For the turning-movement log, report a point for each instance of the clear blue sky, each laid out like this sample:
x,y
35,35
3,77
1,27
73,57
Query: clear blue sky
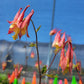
x,y
69,16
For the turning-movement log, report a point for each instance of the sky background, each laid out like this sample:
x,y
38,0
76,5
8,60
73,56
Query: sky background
x,y
69,17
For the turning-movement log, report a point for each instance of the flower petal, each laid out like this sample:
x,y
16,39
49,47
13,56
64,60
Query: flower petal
x,y
27,19
11,29
62,40
57,39
52,32
20,18
16,17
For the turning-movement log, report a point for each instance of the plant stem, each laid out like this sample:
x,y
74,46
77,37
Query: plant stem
x,y
52,60
79,76
37,52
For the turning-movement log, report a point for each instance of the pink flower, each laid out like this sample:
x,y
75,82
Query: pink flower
x,y
20,24
36,64
66,61
32,54
52,32
58,41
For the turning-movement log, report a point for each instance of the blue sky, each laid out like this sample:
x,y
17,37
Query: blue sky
x,y
69,16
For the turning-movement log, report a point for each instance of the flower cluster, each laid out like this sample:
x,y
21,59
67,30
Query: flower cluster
x,y
66,57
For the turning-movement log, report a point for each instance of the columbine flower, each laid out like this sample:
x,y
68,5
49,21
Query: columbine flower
x,y
52,32
32,54
20,24
63,59
58,41
36,64
66,61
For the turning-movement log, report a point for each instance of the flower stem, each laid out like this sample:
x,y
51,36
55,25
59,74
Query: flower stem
x,y
79,76
37,52
52,61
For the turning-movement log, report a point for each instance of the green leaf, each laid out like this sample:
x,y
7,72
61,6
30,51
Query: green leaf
x,y
32,45
38,28
44,68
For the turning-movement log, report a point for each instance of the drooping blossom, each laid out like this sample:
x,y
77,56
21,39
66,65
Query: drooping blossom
x,y
58,40
4,64
32,54
36,64
20,24
66,61
52,32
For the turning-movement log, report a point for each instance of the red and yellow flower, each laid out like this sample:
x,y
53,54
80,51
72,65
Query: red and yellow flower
x,y
36,64
32,54
20,24
66,61
58,40
52,32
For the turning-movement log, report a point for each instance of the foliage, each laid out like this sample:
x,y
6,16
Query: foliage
x,y
28,83
3,79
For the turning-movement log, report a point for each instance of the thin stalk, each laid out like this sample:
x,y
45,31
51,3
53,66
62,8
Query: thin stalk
x,y
52,61
37,52
25,58
79,76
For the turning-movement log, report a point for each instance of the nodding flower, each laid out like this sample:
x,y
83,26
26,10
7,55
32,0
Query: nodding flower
x,y
52,32
66,60
20,24
36,64
32,54
58,40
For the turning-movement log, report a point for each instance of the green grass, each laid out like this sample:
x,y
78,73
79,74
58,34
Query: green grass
x,y
3,79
